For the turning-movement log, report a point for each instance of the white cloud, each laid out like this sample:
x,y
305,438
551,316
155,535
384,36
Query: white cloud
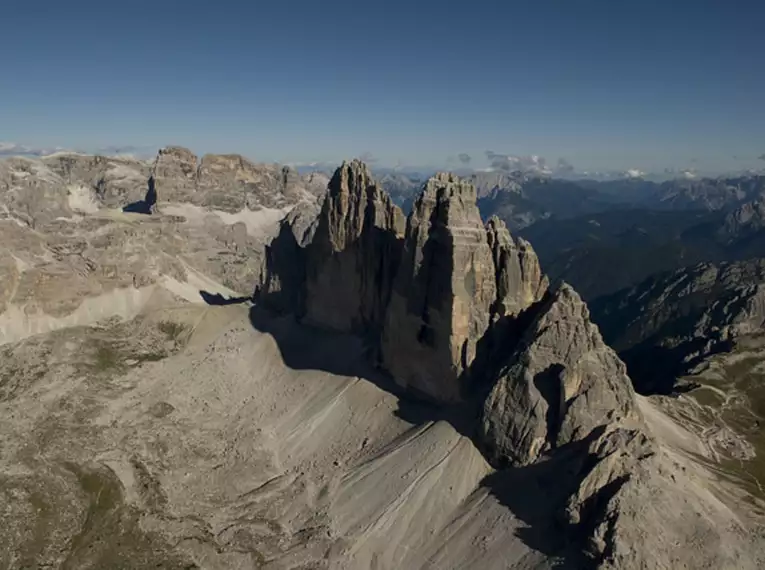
x,y
634,173
510,163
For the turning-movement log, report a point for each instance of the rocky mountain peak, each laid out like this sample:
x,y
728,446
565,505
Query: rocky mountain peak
x,y
337,271
430,292
176,157
519,277
443,293
744,221
560,384
445,189
351,261
354,200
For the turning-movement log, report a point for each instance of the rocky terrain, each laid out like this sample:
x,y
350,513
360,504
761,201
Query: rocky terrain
x,y
74,250
697,334
545,383
601,254
669,323
399,392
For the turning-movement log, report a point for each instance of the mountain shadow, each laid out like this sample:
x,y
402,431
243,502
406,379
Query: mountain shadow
x,y
530,493
146,205
216,299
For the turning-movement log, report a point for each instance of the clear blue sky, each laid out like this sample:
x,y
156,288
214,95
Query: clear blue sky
x,y
605,84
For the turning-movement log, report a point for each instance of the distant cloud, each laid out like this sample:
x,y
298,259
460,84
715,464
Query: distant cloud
x,y
464,158
688,173
368,157
510,163
634,173
761,157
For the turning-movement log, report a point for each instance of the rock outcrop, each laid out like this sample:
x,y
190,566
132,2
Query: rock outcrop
x,y
519,277
334,268
429,298
561,383
114,181
443,293
175,173
564,403
743,222
670,322
229,182
353,256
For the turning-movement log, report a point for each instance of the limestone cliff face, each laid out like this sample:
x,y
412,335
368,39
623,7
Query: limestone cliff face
x,y
443,293
559,384
229,182
355,250
519,277
175,174
431,293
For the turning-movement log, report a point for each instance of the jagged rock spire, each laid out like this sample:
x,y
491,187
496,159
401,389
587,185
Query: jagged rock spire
x,y
520,281
353,256
443,292
560,383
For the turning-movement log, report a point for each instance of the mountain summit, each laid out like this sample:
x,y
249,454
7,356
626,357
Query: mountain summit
x,y
471,321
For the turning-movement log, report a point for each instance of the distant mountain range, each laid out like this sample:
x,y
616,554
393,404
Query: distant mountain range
x,y
522,198
603,253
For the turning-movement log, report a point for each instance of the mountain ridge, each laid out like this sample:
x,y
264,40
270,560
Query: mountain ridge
x,y
554,387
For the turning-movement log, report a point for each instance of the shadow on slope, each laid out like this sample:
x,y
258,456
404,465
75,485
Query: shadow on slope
x,y
144,206
306,348
216,299
534,494
538,494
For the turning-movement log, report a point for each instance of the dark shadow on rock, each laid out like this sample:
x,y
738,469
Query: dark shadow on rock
x,y
537,494
500,343
307,348
283,286
146,205
655,369
549,383
219,300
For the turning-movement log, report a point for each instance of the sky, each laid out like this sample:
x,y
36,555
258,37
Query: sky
x,y
603,85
